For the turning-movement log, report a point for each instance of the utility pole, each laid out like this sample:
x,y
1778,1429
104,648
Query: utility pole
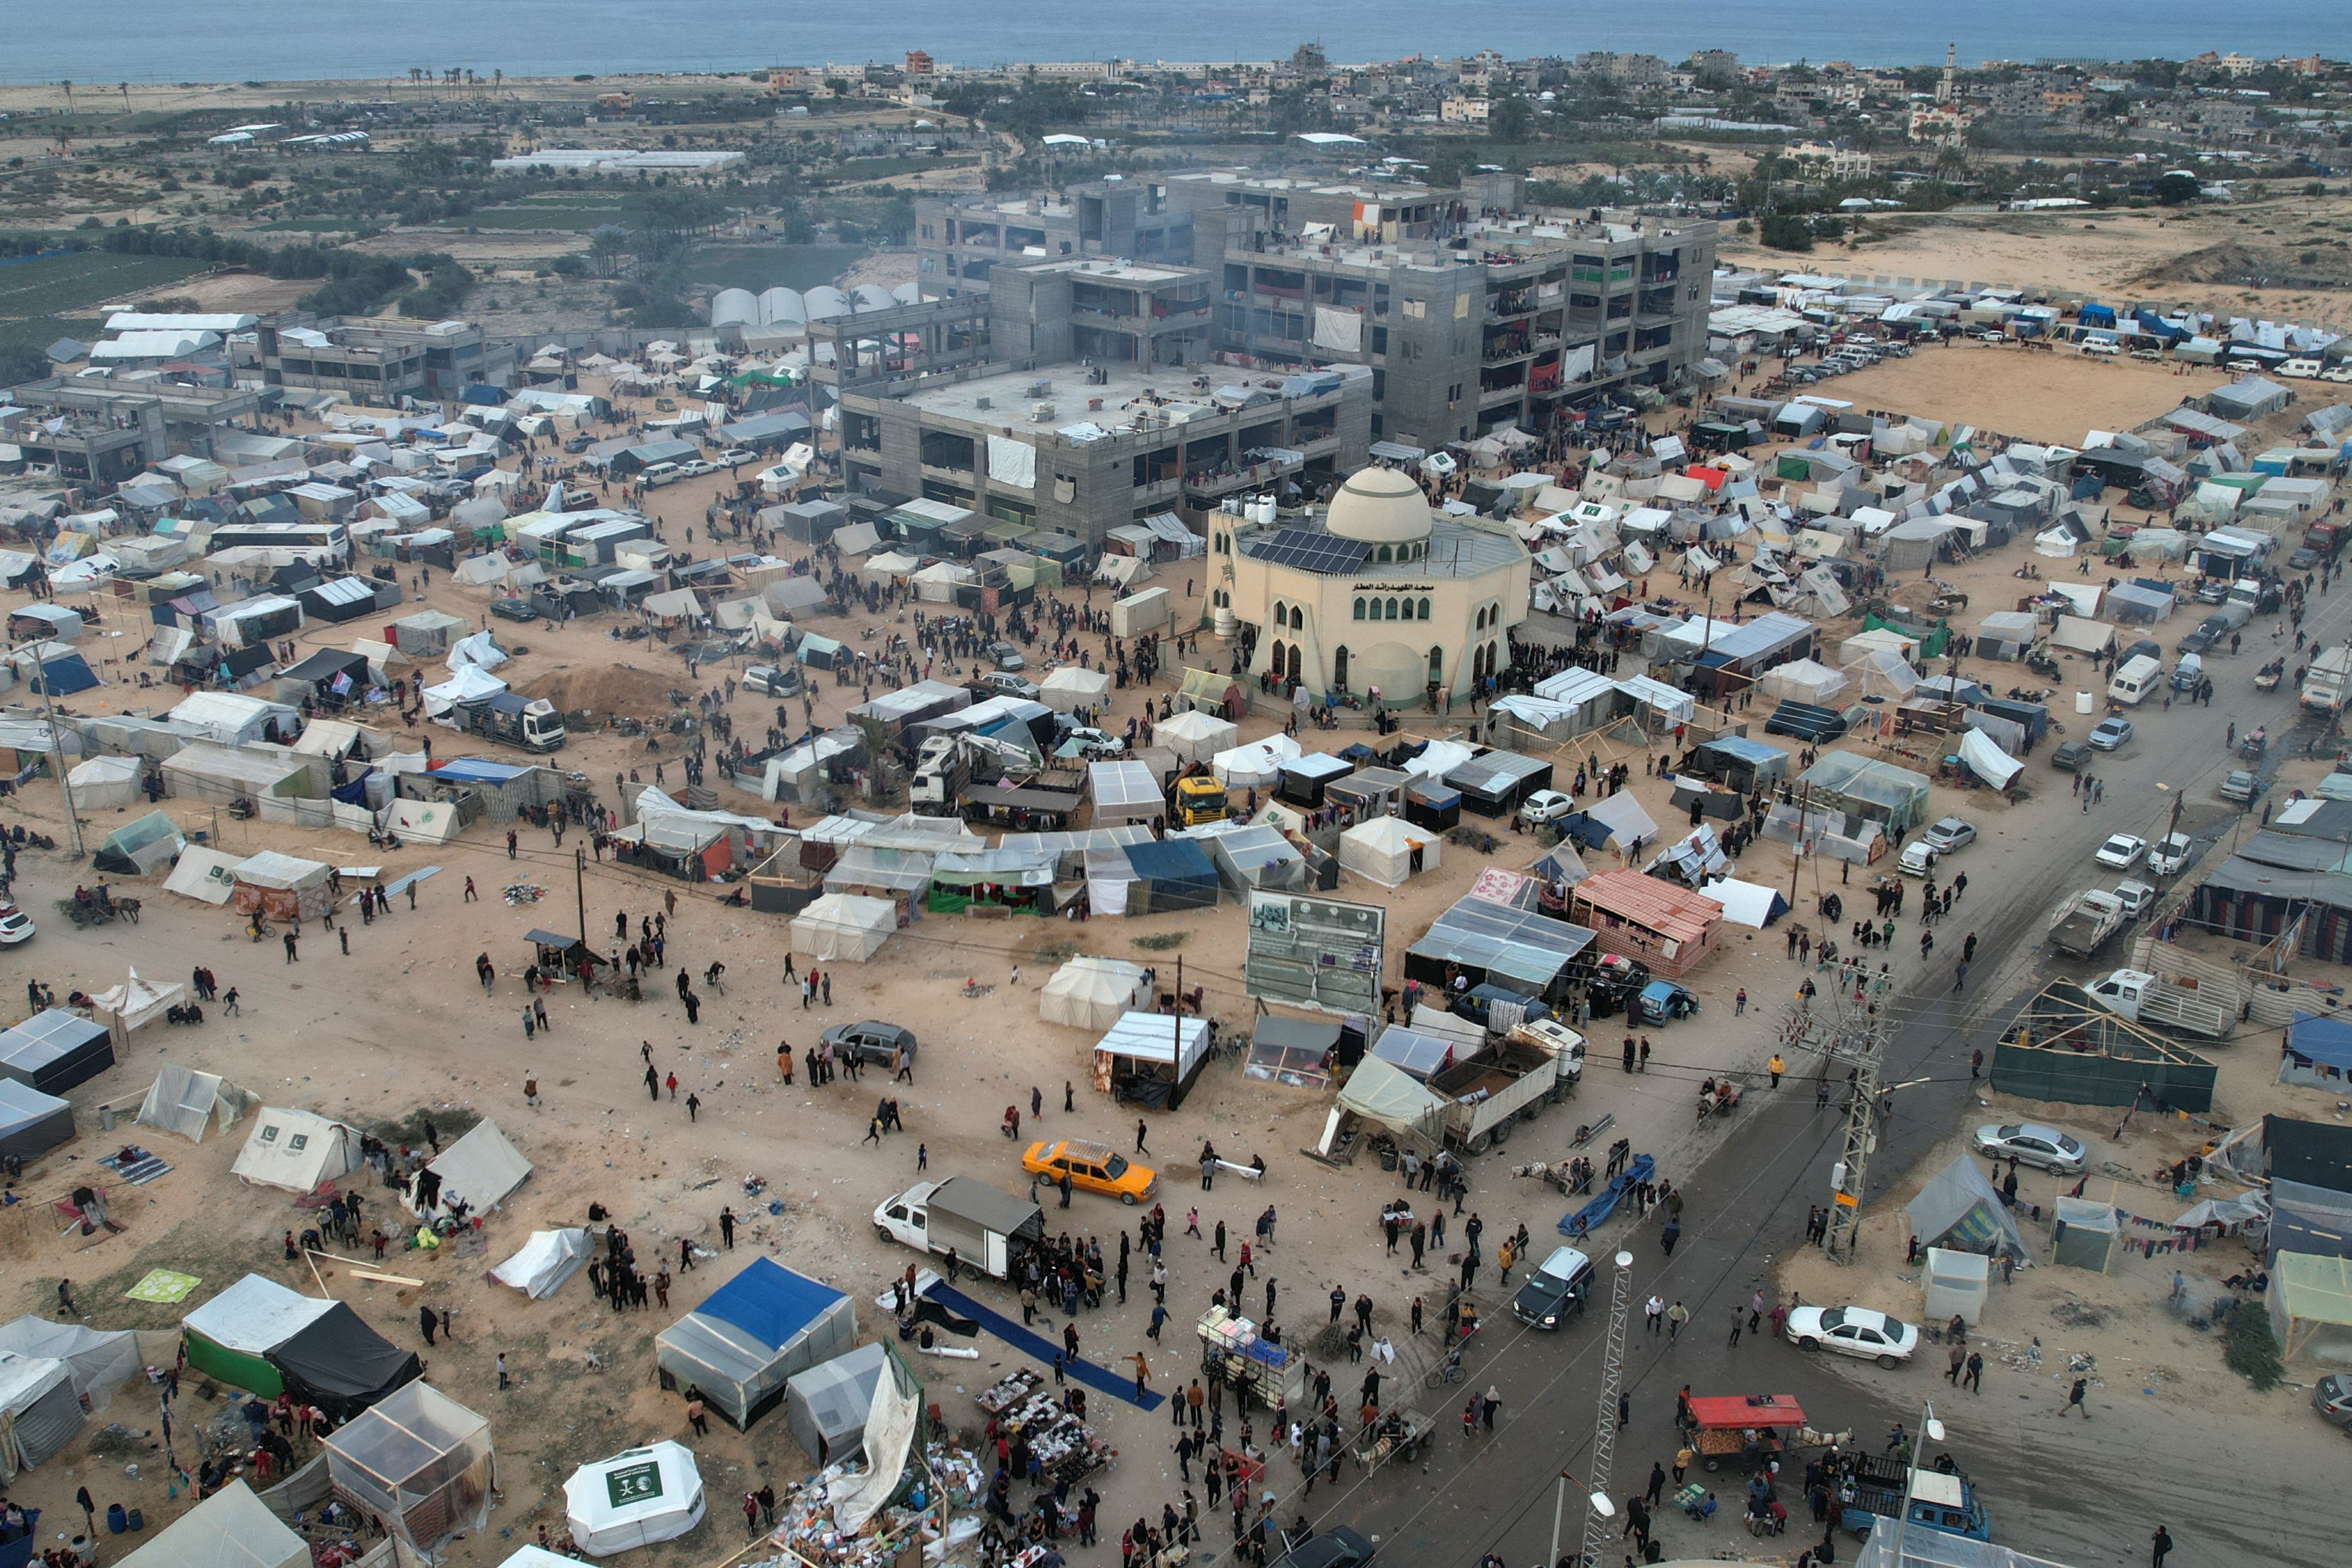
x,y
58,755
1859,1040
580,886
1604,1424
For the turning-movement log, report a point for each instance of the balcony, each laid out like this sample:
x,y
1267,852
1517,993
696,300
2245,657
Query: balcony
x,y
1503,350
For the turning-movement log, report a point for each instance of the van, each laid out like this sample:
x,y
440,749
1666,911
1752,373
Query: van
x,y
2101,347
661,474
2300,370
2135,680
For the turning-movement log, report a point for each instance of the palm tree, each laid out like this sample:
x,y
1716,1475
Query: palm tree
x,y
126,96
498,79
416,76
68,87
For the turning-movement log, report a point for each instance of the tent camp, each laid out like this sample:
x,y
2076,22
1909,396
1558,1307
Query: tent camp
x,y
296,1150
229,1338
142,848
106,783
1388,850
545,1261
55,1050
189,1103
482,1169
1802,681
752,1334
633,1499
1171,874
1195,734
1093,993
826,1406
844,928
32,1123
1258,765
2311,1308
1958,1210
230,1529
205,874
282,887
418,1461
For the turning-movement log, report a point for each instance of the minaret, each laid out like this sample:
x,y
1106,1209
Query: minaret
x,y
1944,93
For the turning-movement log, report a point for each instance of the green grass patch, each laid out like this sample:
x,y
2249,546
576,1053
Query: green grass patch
x,y
757,268
56,284
536,215
2250,1349
1163,941
316,226
21,341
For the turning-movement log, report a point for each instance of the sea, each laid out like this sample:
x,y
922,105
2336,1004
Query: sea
x,y
321,40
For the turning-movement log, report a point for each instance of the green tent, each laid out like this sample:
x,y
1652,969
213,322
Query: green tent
x,y
229,1338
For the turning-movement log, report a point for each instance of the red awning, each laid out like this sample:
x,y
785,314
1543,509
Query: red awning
x,y
1733,1411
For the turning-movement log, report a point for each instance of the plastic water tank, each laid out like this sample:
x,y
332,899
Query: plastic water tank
x,y
1227,622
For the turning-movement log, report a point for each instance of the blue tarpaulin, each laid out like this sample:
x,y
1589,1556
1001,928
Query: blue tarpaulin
x,y
2321,1041
66,675
1581,1222
479,770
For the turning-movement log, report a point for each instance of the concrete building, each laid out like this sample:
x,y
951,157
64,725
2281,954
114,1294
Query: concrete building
x,y
959,240
1379,592
1081,450
376,362
1101,312
100,435
1834,159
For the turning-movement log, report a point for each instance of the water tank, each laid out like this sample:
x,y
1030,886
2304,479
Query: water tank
x,y
1261,509
1226,623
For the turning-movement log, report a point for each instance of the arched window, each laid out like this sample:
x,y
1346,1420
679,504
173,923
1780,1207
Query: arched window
x,y
1392,610
1339,667
1384,554
1275,664
1297,619
1437,666
1359,609
1424,610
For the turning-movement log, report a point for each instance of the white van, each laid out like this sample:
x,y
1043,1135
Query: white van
x,y
2136,680
2101,347
661,474
2301,370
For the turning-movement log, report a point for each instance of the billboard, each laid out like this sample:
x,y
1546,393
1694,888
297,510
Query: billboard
x,y
1316,953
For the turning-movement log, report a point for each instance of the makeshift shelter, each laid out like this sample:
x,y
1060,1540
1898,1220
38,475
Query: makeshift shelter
x,y
229,1338
1747,903
1071,687
748,1338
281,888
2302,1219
1958,1210
39,1413
106,783
417,1461
481,1168
1256,766
1957,1284
1388,850
205,874
1091,993
140,848
1649,920
1255,856
1171,874
545,1261
1384,1094
2316,1051
32,1123
2311,1308
1895,798
189,1103
844,928
1195,734
55,1050
97,1361
826,1406
134,1004
1124,791
2084,1233
2064,1046
1487,942
1151,1059
341,1365
230,1529
296,1150
633,1499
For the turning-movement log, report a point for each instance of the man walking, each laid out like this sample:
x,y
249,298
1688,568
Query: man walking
x,y
2159,1544
1974,1379
1654,1314
2075,1398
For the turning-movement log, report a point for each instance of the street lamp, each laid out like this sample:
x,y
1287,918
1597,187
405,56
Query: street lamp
x,y
1930,1430
1598,1501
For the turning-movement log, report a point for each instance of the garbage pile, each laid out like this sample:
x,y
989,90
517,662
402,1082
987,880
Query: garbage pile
x,y
807,1531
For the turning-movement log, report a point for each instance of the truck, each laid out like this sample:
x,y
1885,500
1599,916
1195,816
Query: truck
x,y
2329,682
1198,797
987,1229
1889,1489
2326,536
530,723
2086,921
1491,1091
2144,997
946,764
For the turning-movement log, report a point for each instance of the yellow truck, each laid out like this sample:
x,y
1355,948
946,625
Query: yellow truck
x,y
1198,799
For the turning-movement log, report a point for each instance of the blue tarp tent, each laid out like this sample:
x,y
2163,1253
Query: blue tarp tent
x,y
1174,874
751,1335
2316,1051
65,675
2091,314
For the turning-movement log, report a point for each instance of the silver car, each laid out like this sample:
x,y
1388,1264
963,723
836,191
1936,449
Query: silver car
x,y
2032,1143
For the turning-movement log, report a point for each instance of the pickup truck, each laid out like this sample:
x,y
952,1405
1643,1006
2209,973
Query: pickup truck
x,y
987,1229
2086,921
1492,1091
2150,998
1942,1500
2328,683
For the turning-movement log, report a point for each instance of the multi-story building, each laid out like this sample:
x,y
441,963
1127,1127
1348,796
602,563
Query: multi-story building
x,y
1100,312
959,240
377,362
1463,112
1837,160
100,435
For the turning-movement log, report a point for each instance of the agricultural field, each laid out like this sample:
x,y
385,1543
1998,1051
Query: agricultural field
x,y
59,285
755,268
571,212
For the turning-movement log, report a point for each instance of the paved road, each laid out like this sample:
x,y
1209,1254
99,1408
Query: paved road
x,y
1748,1202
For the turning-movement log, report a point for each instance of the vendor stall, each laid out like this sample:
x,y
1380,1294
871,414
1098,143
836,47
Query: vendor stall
x,y
1257,1370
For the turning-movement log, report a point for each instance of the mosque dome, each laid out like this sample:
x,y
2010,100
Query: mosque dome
x,y
1379,506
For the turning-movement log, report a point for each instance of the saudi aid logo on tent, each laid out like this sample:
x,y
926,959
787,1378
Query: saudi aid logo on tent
x,y
627,1484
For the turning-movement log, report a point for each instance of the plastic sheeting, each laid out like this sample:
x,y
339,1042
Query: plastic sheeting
x,y
1012,462
1987,761
634,1498
540,1268
844,928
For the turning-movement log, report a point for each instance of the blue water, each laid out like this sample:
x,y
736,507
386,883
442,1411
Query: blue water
x,y
320,40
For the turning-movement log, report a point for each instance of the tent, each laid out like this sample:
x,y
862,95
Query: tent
x,y
55,1050
1256,855
844,928
752,1334
106,783
1804,681
282,887
229,1338
185,1102
418,1461
2316,1051
1093,993
545,1261
296,1150
136,1003
205,874
1072,687
2084,1233
826,1406
1124,791
1388,850
230,1529
97,1361
341,1365
1958,1210
481,1167
2311,1308
39,1411
1747,903
1151,1059
1381,1092
1171,874
633,1499
1956,1283
1258,765
1195,736
140,848
32,1123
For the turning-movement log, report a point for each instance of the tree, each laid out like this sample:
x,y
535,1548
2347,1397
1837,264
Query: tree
x,y
1508,119
2177,189
1786,231
416,76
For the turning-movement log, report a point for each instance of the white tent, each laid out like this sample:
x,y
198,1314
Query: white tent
x,y
104,783
136,1002
633,1499
936,584
1747,903
545,1261
1257,766
844,926
465,685
296,1150
39,1412
481,1167
1383,849
888,564
1437,760
187,1103
424,821
1802,681
1987,761
1195,736
1071,687
97,1361
230,1529
205,874
1094,993
480,649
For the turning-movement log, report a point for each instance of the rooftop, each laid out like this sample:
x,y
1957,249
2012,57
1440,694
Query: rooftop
x,y
1456,549
1127,395
1116,271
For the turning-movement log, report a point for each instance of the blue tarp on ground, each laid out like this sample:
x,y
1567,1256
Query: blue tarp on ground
x,y
2321,1042
1045,1350
1582,1221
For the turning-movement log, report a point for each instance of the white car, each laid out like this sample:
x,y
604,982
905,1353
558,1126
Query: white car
x,y
695,468
1095,743
2122,850
2166,858
2340,374
16,926
1854,1330
1919,858
1547,806
734,455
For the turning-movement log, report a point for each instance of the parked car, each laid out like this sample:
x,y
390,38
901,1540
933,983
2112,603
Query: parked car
x,y
1556,1289
696,467
514,609
2122,850
1091,1167
1338,1547
1949,833
2070,755
1919,858
1005,657
2112,734
2340,374
2304,559
1095,743
2332,1398
2170,855
2137,897
2154,356
1899,351
2242,786
580,443
1854,1330
873,1041
771,681
1006,683
2032,1143
1547,806
734,455
15,927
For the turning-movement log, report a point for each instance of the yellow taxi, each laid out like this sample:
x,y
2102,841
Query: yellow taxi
x,y
1092,1167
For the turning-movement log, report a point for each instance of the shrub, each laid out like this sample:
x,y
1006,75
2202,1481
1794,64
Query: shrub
x,y
2251,1350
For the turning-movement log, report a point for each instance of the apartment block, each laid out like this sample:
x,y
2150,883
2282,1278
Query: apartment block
x,y
100,435
1101,312
960,240
377,362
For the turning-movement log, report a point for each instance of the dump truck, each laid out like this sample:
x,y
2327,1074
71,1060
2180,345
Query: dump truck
x,y
1197,799
531,723
2084,922
2144,997
1493,1091
987,1229
2328,683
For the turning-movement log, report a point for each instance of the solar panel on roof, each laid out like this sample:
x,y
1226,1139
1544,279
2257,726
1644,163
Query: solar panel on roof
x,y
1308,551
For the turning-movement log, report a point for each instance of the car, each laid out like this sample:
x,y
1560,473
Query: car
x,y
15,927
2332,1398
2340,374
871,1041
1854,1330
1338,1547
1949,833
1555,1291
1990,335
2143,648
2137,897
1091,1167
1004,683
2211,591
1919,858
1547,806
771,681
1094,742
2170,855
1005,657
660,473
2154,356
2209,632
2304,559
2122,850
2111,734
514,609
2032,1144
2240,785
735,454
1899,351
580,443
2070,757
696,467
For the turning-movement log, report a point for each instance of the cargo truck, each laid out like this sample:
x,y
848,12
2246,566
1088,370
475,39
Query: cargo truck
x,y
1198,799
2084,922
1492,1092
530,723
2328,683
987,1229
2144,997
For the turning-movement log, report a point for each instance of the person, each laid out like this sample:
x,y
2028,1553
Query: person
x,y
696,1415
502,1370
2075,1397
2159,1544
426,1321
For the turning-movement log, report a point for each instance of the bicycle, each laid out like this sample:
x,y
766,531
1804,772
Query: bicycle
x,y
1452,1371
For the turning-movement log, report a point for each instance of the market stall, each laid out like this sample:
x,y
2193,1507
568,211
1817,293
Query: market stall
x,y
1256,1369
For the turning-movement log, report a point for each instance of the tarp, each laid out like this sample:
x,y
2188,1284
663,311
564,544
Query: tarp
x,y
544,1263
1957,1209
140,848
39,1412
230,1529
844,928
2311,1308
1987,761
341,1365
752,1334
203,873
136,1003
633,1499
826,1407
1070,687
482,1167
55,1050
229,1338
185,1102
1381,1092
106,783
892,1421
1746,903
296,1150
1092,993
1383,849
1804,681
97,1361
